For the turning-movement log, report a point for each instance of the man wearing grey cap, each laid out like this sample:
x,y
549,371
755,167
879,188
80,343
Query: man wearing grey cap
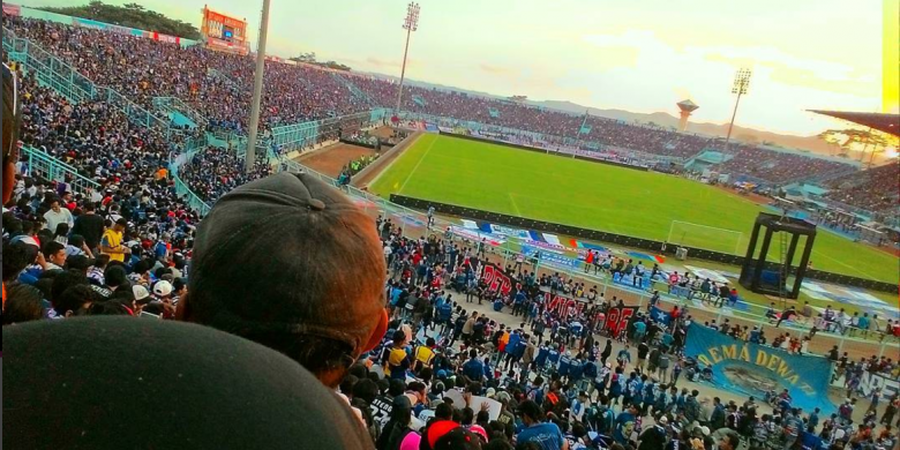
x,y
291,263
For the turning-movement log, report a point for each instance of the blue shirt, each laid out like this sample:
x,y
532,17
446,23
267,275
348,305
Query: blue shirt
x,y
622,424
474,369
640,327
512,345
546,435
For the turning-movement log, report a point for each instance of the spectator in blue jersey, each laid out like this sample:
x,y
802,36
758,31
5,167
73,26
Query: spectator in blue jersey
x,y
625,423
473,369
640,329
514,348
624,356
546,435
565,364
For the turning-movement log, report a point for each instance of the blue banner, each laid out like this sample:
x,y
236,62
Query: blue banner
x,y
755,369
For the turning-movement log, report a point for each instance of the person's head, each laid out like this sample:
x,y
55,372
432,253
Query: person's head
x,y
74,301
11,122
115,276
366,390
23,304
16,258
101,261
324,305
120,225
55,253
54,204
729,442
531,412
62,229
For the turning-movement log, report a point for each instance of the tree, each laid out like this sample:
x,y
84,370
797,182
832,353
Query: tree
x,y
310,58
858,141
130,15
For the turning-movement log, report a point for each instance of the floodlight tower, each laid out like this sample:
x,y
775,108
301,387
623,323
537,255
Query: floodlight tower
x,y
741,83
410,24
686,107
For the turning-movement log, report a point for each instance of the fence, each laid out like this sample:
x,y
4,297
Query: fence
x,y
286,138
58,75
41,164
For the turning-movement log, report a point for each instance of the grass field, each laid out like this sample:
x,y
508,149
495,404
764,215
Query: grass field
x,y
598,196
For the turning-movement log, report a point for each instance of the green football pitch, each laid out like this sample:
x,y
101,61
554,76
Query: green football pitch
x,y
604,197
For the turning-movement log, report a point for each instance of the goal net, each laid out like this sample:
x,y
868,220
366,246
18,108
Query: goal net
x,y
716,239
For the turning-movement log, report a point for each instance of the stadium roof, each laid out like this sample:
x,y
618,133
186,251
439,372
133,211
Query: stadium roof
x,y
888,123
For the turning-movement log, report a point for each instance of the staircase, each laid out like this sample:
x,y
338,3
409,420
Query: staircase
x,y
356,91
170,106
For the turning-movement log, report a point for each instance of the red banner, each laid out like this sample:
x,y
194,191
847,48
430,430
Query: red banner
x,y
496,280
617,319
166,38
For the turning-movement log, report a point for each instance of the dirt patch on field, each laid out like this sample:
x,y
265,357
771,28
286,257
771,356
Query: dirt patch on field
x,y
382,132
332,159
365,177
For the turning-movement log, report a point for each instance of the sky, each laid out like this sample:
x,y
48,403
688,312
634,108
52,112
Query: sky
x,y
640,56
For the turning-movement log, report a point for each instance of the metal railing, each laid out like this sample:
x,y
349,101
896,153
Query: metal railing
x,y
173,104
58,75
42,165
287,138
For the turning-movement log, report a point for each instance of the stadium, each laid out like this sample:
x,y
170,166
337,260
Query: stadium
x,y
167,179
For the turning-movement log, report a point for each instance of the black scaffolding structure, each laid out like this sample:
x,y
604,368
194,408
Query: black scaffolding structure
x,y
762,277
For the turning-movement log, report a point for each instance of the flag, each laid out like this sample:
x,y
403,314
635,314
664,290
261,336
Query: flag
x,y
660,316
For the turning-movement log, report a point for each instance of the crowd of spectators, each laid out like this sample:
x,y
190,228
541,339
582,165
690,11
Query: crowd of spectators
x,y
876,189
217,85
216,171
778,167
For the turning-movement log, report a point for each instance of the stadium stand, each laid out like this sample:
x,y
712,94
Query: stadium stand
x,y
778,167
875,189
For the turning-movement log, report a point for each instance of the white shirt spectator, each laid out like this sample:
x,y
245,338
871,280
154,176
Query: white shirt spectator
x,y
54,218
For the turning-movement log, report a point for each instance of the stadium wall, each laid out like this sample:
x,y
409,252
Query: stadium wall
x,y
367,175
544,151
627,241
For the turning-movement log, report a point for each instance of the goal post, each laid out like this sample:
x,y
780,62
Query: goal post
x,y
689,234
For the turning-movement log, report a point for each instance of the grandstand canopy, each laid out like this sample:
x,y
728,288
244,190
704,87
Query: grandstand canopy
x,y
888,123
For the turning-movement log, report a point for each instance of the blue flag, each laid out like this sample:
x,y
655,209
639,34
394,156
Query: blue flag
x,y
660,316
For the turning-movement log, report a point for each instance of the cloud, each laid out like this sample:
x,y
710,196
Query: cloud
x,y
495,70
380,63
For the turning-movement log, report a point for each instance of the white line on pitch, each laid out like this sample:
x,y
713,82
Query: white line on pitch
x,y
518,213
408,177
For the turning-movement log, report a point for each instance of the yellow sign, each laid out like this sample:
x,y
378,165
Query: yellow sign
x,y
890,92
